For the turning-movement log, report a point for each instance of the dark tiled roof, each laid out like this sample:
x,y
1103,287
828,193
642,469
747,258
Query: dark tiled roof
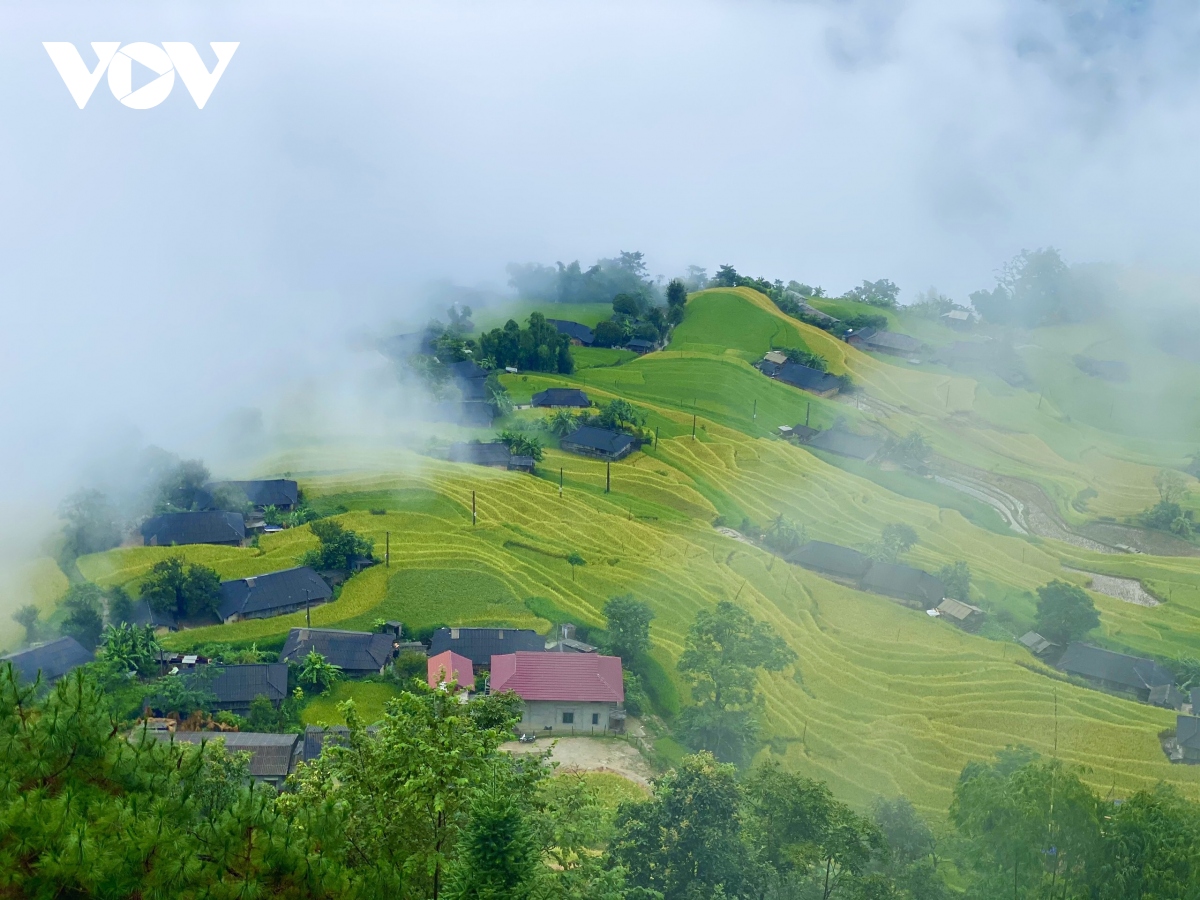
x,y
1187,732
54,659
897,580
1167,696
275,590
271,755
599,439
473,413
1130,671
570,677
845,443
316,737
493,454
1035,642
886,340
640,345
143,614
261,492
574,330
238,685
956,609
479,645
561,397
803,433
830,558
194,528
806,378
466,370
473,390
352,651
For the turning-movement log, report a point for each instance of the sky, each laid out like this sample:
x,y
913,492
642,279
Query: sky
x,y
163,269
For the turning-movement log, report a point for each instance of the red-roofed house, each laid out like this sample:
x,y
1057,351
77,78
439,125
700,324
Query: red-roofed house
x,y
570,692
450,666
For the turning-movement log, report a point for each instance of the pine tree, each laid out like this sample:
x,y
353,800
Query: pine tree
x,y
497,855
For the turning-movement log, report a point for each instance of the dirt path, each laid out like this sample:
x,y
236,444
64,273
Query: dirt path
x,y
1128,589
585,754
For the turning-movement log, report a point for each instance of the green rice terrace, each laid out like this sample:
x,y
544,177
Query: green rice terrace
x,y
884,700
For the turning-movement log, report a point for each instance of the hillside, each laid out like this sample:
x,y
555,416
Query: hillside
x,y
884,700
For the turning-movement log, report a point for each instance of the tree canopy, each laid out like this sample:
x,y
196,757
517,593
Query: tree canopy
x,y
183,589
1065,612
539,347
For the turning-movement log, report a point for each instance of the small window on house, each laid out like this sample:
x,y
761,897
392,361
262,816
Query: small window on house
x,y
595,718
568,718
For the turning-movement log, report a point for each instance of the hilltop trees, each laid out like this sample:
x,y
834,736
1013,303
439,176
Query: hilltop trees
x,y
881,293
677,294
894,541
1168,514
624,273
725,650
84,621
92,524
1065,612
1036,287
957,579
184,589
521,443
537,348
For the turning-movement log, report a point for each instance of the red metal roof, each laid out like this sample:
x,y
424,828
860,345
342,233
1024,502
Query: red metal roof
x,y
579,677
450,666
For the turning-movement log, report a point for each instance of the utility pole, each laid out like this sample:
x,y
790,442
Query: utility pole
x,y
693,426
807,413
656,427
608,478
560,479
307,612
754,415
472,508
387,549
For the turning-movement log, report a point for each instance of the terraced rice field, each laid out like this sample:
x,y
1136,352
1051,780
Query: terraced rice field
x,y
883,700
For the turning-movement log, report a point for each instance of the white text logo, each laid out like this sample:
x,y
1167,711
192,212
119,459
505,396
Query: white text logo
x,y
164,61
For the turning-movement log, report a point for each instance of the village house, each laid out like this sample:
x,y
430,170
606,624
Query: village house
x,y
1112,671
800,433
957,318
553,398
884,342
209,527
53,660
479,645
964,615
162,621
831,559
599,442
354,652
641,346
447,666
580,335
281,493
235,687
273,594
806,378
1036,644
842,442
569,693
912,585
1187,740
1167,696
494,455
273,757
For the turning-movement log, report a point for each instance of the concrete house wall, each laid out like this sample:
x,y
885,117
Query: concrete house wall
x,y
540,715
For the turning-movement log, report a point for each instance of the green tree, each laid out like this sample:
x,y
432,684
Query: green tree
x,y
630,305
407,787
957,578
28,618
89,811
1151,847
895,540
686,840
724,652
727,276
185,589
628,626
783,535
84,621
573,560
92,524
497,858
183,694
876,293
409,665
1171,485
562,422
120,605
340,546
677,293
521,443
497,396
177,487
319,672
1030,828
620,414
608,334
131,649
1065,612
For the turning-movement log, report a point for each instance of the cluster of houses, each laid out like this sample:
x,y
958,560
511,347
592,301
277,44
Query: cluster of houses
x,y
566,685
582,336
911,586
1135,677
209,525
